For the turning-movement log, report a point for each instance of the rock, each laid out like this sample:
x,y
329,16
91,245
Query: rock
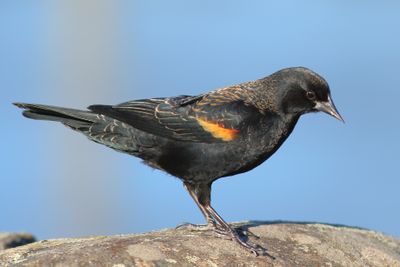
x,y
292,244
12,240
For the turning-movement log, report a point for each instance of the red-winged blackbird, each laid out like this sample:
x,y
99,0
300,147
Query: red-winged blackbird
x,y
200,139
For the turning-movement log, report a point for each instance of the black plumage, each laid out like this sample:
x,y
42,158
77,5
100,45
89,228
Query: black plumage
x,y
202,138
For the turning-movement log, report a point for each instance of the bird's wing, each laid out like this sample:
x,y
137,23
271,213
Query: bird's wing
x,y
213,117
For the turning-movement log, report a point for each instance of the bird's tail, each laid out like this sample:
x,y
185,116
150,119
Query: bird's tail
x,y
76,119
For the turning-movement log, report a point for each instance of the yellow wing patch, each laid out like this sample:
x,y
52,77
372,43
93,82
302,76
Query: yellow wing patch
x,y
217,130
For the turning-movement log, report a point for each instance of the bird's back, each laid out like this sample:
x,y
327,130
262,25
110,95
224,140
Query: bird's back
x,y
192,137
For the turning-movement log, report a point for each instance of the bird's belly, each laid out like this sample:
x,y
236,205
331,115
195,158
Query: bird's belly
x,y
206,162
200,162
197,161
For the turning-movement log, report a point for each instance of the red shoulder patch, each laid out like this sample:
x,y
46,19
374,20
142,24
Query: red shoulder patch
x,y
217,130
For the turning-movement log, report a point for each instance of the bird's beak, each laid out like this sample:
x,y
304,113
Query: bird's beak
x,y
329,108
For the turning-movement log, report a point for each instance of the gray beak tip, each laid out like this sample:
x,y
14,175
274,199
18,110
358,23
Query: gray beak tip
x,y
340,118
329,108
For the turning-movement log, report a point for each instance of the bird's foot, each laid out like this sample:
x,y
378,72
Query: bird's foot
x,y
240,235
245,232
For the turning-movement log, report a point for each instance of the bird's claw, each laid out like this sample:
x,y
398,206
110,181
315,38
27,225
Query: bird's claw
x,y
238,235
246,232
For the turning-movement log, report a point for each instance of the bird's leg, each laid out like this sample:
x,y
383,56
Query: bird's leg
x,y
201,194
192,193
210,221
233,234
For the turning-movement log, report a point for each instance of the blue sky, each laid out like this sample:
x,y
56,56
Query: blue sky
x,y
55,183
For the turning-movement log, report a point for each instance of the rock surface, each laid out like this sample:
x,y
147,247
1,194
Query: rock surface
x,y
292,244
12,240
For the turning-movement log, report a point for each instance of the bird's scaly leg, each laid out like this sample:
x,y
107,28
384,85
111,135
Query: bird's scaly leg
x,y
192,193
211,224
202,197
227,230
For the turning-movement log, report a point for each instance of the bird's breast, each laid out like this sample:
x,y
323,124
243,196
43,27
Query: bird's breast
x,y
209,161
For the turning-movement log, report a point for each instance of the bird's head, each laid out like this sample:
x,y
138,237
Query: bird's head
x,y
302,91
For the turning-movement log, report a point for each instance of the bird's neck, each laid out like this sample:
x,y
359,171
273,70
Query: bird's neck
x,y
262,95
275,132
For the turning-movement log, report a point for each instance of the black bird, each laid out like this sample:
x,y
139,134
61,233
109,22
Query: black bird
x,y
200,139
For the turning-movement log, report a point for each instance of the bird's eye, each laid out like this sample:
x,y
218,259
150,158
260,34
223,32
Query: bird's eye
x,y
310,95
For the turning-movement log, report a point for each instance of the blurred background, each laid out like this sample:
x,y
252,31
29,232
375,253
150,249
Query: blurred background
x,y
55,183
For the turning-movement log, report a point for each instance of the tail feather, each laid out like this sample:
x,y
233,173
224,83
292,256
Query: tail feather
x,y
97,126
73,118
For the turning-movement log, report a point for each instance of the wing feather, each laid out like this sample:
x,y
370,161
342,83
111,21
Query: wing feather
x,y
215,117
